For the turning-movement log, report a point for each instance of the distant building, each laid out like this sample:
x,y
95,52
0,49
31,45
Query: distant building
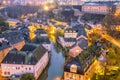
x,y
76,70
8,41
12,22
99,7
7,2
82,66
82,44
43,39
32,58
118,8
71,35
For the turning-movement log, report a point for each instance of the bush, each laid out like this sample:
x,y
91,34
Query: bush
x,y
27,76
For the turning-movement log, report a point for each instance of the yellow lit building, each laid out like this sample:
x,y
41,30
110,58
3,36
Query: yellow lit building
x,y
76,70
12,22
99,7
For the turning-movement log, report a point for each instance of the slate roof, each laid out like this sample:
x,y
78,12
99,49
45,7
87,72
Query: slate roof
x,y
77,62
4,45
83,43
108,3
11,37
77,7
25,56
82,65
41,31
70,39
81,32
71,29
41,40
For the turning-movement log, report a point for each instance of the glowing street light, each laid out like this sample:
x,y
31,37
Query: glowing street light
x,y
46,8
118,28
30,3
4,2
116,14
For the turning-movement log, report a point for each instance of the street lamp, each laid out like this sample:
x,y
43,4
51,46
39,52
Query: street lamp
x,y
46,8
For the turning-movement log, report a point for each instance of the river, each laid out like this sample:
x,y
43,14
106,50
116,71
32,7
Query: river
x,y
55,66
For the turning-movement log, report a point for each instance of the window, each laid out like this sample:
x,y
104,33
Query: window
x,y
29,68
8,73
67,74
26,68
66,31
70,31
18,68
73,68
5,73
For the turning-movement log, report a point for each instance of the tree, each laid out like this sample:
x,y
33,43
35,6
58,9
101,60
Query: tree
x,y
110,22
27,76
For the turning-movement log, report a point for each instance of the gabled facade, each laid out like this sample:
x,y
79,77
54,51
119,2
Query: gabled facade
x,y
99,7
9,41
70,33
32,58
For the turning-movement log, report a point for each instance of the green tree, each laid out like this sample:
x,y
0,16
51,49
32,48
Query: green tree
x,y
109,23
27,76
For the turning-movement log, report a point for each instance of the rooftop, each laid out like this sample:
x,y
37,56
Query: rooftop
x,y
42,40
84,60
25,56
74,61
41,31
83,43
108,3
70,39
8,38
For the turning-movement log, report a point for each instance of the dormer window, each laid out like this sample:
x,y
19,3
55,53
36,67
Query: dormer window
x,y
70,31
66,31
73,68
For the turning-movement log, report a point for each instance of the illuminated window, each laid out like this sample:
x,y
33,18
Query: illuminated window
x,y
73,68
77,51
74,77
13,67
66,31
67,74
70,31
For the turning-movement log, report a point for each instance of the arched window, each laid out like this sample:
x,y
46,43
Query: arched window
x,y
73,68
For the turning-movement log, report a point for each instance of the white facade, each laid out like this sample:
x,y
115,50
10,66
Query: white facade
x,y
9,69
96,9
70,34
